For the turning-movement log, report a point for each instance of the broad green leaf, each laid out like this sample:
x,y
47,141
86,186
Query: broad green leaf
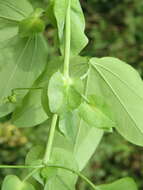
x,y
62,94
21,60
68,125
35,157
126,183
78,41
86,142
30,113
14,10
13,182
63,179
11,12
122,89
27,59
32,103
31,106
94,117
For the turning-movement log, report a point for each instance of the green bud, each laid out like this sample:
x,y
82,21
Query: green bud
x,y
12,99
32,25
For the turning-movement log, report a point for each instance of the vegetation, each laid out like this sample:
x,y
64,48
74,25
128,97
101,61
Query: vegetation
x,y
109,35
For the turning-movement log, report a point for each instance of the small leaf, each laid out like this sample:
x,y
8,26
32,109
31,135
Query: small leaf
x,y
73,98
35,157
13,182
78,66
48,172
68,125
53,65
124,183
94,117
78,41
62,94
56,93
31,106
36,153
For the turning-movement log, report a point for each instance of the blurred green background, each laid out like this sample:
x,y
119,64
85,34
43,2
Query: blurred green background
x,y
114,28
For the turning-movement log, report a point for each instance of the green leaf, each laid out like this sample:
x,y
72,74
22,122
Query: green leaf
x,y
122,89
35,157
64,179
7,31
124,183
13,182
62,94
78,41
56,93
48,172
94,117
27,59
36,153
78,66
14,10
35,103
21,60
86,142
53,65
31,106
68,125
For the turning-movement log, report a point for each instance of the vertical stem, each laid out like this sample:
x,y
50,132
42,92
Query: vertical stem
x,y
66,75
67,41
50,140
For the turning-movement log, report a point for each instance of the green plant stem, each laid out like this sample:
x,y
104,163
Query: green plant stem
x,y
20,166
77,173
37,167
50,140
21,89
67,41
